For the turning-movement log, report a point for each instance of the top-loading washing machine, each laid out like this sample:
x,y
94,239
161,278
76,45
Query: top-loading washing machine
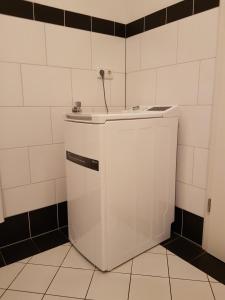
x,y
120,170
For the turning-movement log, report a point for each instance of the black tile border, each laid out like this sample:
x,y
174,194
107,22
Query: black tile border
x,y
52,15
196,256
188,225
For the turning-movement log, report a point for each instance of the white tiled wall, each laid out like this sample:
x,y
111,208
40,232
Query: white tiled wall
x,y
175,64
43,69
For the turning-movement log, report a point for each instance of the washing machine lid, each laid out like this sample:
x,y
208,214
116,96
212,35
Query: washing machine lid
x,y
137,112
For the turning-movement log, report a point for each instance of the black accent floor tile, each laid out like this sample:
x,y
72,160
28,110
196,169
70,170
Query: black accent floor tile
x,y
172,238
17,8
155,19
102,26
202,5
211,265
192,227
43,220
2,263
179,10
19,251
65,231
135,27
78,21
120,30
184,249
177,224
48,14
50,240
62,214
14,229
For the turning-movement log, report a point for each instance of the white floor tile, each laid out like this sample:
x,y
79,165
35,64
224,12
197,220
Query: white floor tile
x,y
194,290
75,260
124,268
146,287
34,278
71,283
179,268
48,297
157,250
218,290
52,257
8,273
150,264
1,292
110,286
15,295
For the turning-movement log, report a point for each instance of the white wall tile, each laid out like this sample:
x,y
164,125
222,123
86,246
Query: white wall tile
x,y
14,167
206,81
159,46
141,88
200,167
198,36
194,126
88,89
190,198
26,198
185,157
24,126
47,162
60,190
58,116
10,85
133,53
178,84
46,86
108,52
22,40
68,47
117,90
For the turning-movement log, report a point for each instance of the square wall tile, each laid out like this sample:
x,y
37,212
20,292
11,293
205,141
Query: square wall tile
x,y
117,90
43,220
200,172
10,85
24,126
46,86
178,84
34,278
93,95
194,126
63,283
57,117
14,229
47,162
109,286
197,36
60,190
15,169
133,53
141,88
8,273
68,47
22,40
18,200
108,52
159,46
206,81
145,288
185,159
190,198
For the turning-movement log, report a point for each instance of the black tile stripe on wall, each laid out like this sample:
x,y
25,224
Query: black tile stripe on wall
x,y
78,21
135,27
17,8
202,5
30,233
102,26
48,14
180,10
155,19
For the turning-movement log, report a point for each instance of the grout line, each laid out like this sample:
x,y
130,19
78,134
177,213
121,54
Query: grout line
x,y
29,223
131,271
64,18
182,221
168,269
210,284
45,42
22,85
33,11
89,285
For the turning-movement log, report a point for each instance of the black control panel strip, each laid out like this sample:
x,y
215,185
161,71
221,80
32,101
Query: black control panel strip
x,y
83,161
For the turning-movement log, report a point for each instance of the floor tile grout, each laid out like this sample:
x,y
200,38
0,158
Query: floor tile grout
x,y
167,260
131,269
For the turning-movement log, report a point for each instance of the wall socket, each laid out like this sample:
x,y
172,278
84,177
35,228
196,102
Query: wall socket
x,y
108,74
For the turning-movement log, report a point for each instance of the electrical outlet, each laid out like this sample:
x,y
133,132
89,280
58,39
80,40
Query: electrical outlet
x,y
108,74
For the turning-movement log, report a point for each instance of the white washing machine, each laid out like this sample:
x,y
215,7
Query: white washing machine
x,y
120,181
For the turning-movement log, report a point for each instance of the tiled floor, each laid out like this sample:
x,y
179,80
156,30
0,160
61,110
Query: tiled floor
x,y
62,273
